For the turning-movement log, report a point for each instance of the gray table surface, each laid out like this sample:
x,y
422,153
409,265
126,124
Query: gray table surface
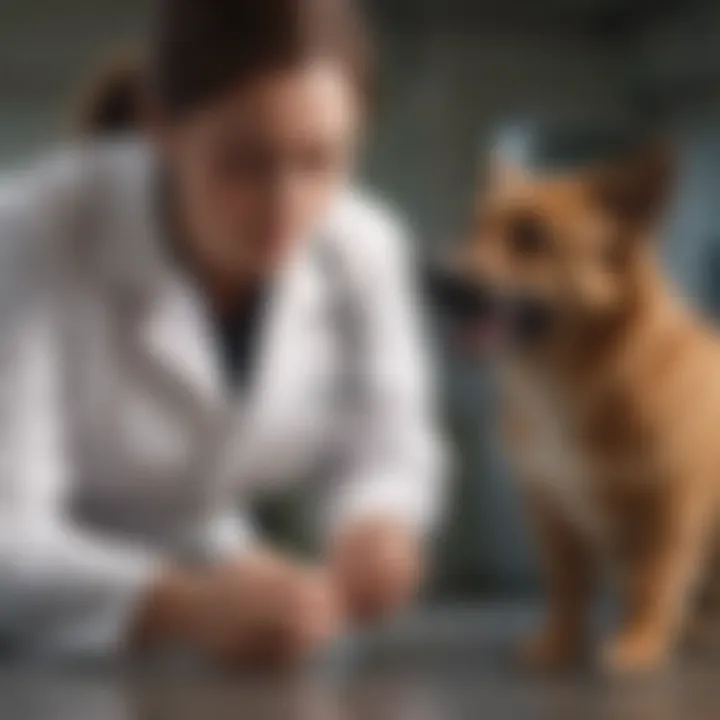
x,y
443,665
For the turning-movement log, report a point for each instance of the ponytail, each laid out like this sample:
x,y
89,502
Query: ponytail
x,y
115,101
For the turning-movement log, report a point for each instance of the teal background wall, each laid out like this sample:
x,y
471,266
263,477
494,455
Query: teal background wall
x,y
454,72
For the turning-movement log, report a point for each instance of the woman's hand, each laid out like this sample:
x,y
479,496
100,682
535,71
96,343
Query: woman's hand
x,y
265,611
377,566
261,611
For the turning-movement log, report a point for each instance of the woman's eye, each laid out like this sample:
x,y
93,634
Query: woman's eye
x,y
528,236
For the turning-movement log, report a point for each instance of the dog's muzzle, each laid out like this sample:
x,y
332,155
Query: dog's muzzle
x,y
456,297
521,320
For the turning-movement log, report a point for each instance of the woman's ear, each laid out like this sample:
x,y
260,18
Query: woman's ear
x,y
636,189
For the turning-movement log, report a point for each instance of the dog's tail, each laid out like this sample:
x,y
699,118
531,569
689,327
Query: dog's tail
x,y
115,100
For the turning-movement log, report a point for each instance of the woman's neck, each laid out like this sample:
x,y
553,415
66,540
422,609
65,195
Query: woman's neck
x,y
226,291
226,285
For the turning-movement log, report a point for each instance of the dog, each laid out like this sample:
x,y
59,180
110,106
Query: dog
x,y
611,399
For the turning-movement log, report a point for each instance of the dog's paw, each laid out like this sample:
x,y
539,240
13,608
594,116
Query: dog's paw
x,y
632,653
549,651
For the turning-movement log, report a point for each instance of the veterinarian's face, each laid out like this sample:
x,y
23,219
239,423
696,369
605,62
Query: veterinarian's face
x,y
256,169
552,254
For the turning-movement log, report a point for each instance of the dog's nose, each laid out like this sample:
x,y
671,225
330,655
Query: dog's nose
x,y
454,294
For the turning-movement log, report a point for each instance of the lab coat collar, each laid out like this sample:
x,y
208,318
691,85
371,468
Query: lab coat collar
x,y
169,314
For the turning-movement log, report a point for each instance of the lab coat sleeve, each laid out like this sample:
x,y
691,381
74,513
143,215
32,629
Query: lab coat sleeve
x,y
394,457
63,591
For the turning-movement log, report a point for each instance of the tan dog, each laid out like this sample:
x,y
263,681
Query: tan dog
x,y
613,401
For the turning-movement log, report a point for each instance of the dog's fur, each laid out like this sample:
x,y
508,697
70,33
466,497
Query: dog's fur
x,y
613,415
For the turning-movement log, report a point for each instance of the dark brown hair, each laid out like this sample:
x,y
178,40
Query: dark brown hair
x,y
201,49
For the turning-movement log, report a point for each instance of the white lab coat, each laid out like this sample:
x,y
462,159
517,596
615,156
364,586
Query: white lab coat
x,y
121,448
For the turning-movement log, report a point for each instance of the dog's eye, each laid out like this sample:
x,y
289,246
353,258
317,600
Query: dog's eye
x,y
528,236
616,255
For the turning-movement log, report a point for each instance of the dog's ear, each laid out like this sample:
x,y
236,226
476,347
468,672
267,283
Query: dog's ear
x,y
505,175
636,189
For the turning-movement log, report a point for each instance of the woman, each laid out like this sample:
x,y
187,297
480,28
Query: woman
x,y
198,317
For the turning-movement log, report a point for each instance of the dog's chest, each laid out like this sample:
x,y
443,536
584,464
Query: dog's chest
x,y
548,454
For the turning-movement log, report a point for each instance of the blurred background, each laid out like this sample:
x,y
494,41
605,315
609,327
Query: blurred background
x,y
455,75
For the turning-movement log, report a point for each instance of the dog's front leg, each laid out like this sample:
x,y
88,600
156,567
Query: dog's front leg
x,y
568,568
662,548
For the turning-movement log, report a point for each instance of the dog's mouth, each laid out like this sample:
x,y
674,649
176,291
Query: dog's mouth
x,y
484,320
